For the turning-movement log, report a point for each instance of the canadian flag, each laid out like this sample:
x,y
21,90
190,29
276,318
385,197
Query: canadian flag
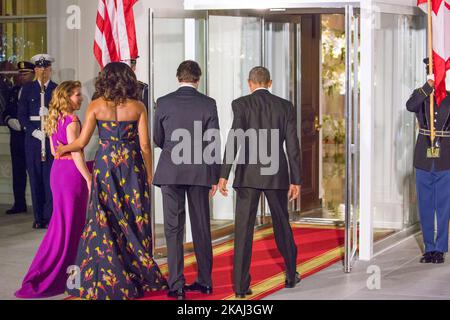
x,y
115,33
441,42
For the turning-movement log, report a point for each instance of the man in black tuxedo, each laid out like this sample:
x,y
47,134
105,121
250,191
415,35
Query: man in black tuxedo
x,y
190,115
255,114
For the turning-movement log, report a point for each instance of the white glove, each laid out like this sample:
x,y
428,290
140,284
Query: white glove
x,y
430,77
14,124
38,134
43,111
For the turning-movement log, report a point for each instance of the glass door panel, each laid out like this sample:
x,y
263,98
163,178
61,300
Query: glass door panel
x,y
282,46
234,48
352,137
175,36
401,37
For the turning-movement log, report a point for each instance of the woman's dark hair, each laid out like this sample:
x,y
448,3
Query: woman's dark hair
x,y
189,71
117,82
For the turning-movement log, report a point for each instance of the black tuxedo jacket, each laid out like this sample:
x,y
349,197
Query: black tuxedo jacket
x,y
419,103
263,110
180,110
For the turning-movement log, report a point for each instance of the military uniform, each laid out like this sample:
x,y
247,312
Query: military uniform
x,y
143,93
17,144
5,87
432,174
38,170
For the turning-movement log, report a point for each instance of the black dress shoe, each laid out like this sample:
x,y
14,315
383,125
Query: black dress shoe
x,y
438,257
179,294
292,283
15,210
427,257
199,287
38,225
242,295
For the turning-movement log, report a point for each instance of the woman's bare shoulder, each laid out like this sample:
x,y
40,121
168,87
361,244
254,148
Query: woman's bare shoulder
x,y
98,106
98,103
136,106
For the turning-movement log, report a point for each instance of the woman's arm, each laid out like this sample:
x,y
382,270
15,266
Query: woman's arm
x,y
73,132
144,140
85,136
52,147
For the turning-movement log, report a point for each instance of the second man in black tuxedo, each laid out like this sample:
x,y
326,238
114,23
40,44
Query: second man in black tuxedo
x,y
261,112
185,111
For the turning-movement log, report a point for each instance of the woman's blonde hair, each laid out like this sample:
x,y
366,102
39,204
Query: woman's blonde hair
x,y
60,104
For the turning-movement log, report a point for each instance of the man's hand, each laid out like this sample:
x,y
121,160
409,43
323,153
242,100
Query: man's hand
x,y
213,191
39,134
223,187
430,80
14,124
294,192
43,111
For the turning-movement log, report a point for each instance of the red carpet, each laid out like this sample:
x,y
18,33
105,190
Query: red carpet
x,y
318,247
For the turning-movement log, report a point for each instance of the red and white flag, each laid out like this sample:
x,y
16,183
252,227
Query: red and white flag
x,y
441,42
115,34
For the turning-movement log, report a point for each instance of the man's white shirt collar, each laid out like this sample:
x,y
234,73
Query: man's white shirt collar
x,y
261,88
46,84
187,85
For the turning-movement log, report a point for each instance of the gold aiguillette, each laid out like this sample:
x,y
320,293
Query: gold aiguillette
x,y
433,153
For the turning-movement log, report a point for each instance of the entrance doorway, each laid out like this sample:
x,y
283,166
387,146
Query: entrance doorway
x,y
306,52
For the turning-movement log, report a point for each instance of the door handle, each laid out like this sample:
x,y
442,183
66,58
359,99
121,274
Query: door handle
x,y
317,125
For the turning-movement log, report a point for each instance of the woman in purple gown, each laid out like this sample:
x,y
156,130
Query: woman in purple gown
x,y
70,180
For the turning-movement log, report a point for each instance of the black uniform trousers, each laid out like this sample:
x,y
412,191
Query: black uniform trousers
x,y
246,210
19,168
174,222
39,173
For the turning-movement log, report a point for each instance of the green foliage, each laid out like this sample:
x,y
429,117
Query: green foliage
x,y
333,60
333,130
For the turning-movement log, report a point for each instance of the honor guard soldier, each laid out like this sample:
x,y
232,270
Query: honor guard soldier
x,y
17,137
432,163
33,109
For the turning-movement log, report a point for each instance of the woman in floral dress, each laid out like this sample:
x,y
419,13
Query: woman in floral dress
x,y
115,253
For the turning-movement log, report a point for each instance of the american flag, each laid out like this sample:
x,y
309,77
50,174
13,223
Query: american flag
x,y
441,42
115,33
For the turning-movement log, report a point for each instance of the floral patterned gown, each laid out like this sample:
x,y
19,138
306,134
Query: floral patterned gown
x,y
115,251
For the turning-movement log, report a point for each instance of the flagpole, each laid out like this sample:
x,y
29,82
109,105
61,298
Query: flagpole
x,y
431,68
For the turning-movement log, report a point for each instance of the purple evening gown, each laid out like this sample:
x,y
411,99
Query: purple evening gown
x,y
47,275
